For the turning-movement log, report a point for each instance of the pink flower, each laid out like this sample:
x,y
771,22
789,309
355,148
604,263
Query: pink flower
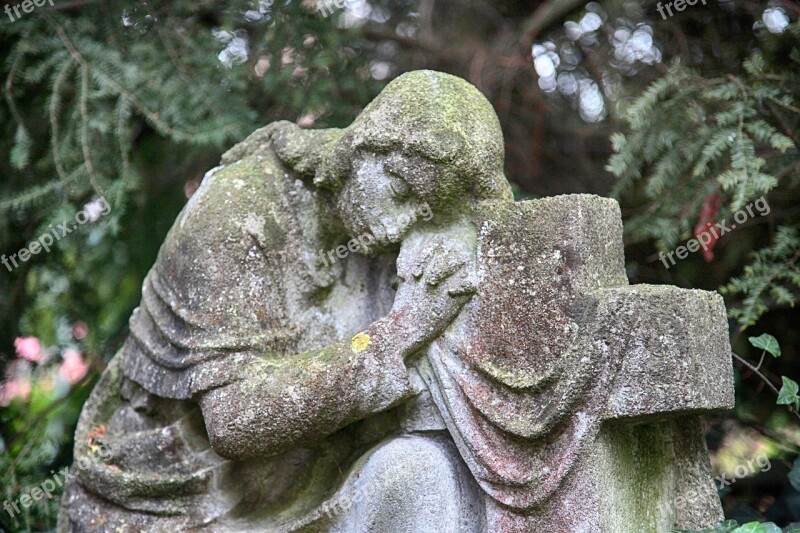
x,y
29,348
73,368
15,388
80,330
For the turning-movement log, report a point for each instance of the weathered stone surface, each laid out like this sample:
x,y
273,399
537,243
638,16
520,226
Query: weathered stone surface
x,y
476,364
542,374
680,367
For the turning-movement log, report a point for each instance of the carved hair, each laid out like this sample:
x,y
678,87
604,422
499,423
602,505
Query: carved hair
x,y
439,117
429,114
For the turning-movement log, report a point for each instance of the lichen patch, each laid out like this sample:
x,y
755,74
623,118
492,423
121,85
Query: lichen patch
x,y
359,343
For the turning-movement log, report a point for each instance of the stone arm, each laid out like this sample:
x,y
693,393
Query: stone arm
x,y
279,403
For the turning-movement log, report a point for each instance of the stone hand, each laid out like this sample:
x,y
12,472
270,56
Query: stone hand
x,y
437,279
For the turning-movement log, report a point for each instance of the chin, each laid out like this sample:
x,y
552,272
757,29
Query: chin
x,y
388,244
390,241
384,244
373,251
382,241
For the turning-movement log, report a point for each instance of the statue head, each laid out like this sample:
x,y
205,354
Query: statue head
x,y
428,141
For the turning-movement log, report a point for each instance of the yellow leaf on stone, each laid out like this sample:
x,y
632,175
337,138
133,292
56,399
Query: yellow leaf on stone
x,y
359,343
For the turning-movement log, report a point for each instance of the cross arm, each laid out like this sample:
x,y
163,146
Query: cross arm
x,y
672,350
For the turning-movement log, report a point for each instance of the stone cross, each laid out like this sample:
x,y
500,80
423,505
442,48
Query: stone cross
x,y
575,398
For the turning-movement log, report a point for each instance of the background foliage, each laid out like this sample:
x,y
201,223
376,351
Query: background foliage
x,y
685,119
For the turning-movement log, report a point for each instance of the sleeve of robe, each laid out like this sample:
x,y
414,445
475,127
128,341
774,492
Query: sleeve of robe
x,y
278,404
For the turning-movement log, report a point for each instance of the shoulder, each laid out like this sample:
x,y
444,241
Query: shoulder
x,y
254,185
299,149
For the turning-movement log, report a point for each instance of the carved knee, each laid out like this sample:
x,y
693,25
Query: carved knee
x,y
412,483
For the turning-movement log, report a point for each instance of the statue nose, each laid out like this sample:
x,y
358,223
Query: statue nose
x,y
393,233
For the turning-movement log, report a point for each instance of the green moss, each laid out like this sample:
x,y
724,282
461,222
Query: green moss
x,y
640,468
440,117
276,372
250,189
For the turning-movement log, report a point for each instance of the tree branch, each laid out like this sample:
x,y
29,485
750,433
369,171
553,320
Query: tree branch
x,y
547,15
379,35
765,379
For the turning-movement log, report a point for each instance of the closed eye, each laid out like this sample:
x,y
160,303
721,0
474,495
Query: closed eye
x,y
400,189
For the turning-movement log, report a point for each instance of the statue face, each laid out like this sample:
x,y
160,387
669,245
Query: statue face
x,y
377,198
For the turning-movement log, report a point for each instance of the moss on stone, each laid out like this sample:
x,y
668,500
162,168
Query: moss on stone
x,y
437,116
249,188
640,468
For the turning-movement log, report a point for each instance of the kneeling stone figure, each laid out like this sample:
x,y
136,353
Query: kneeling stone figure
x,y
483,368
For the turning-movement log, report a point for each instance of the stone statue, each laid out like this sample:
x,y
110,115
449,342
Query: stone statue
x,y
359,330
